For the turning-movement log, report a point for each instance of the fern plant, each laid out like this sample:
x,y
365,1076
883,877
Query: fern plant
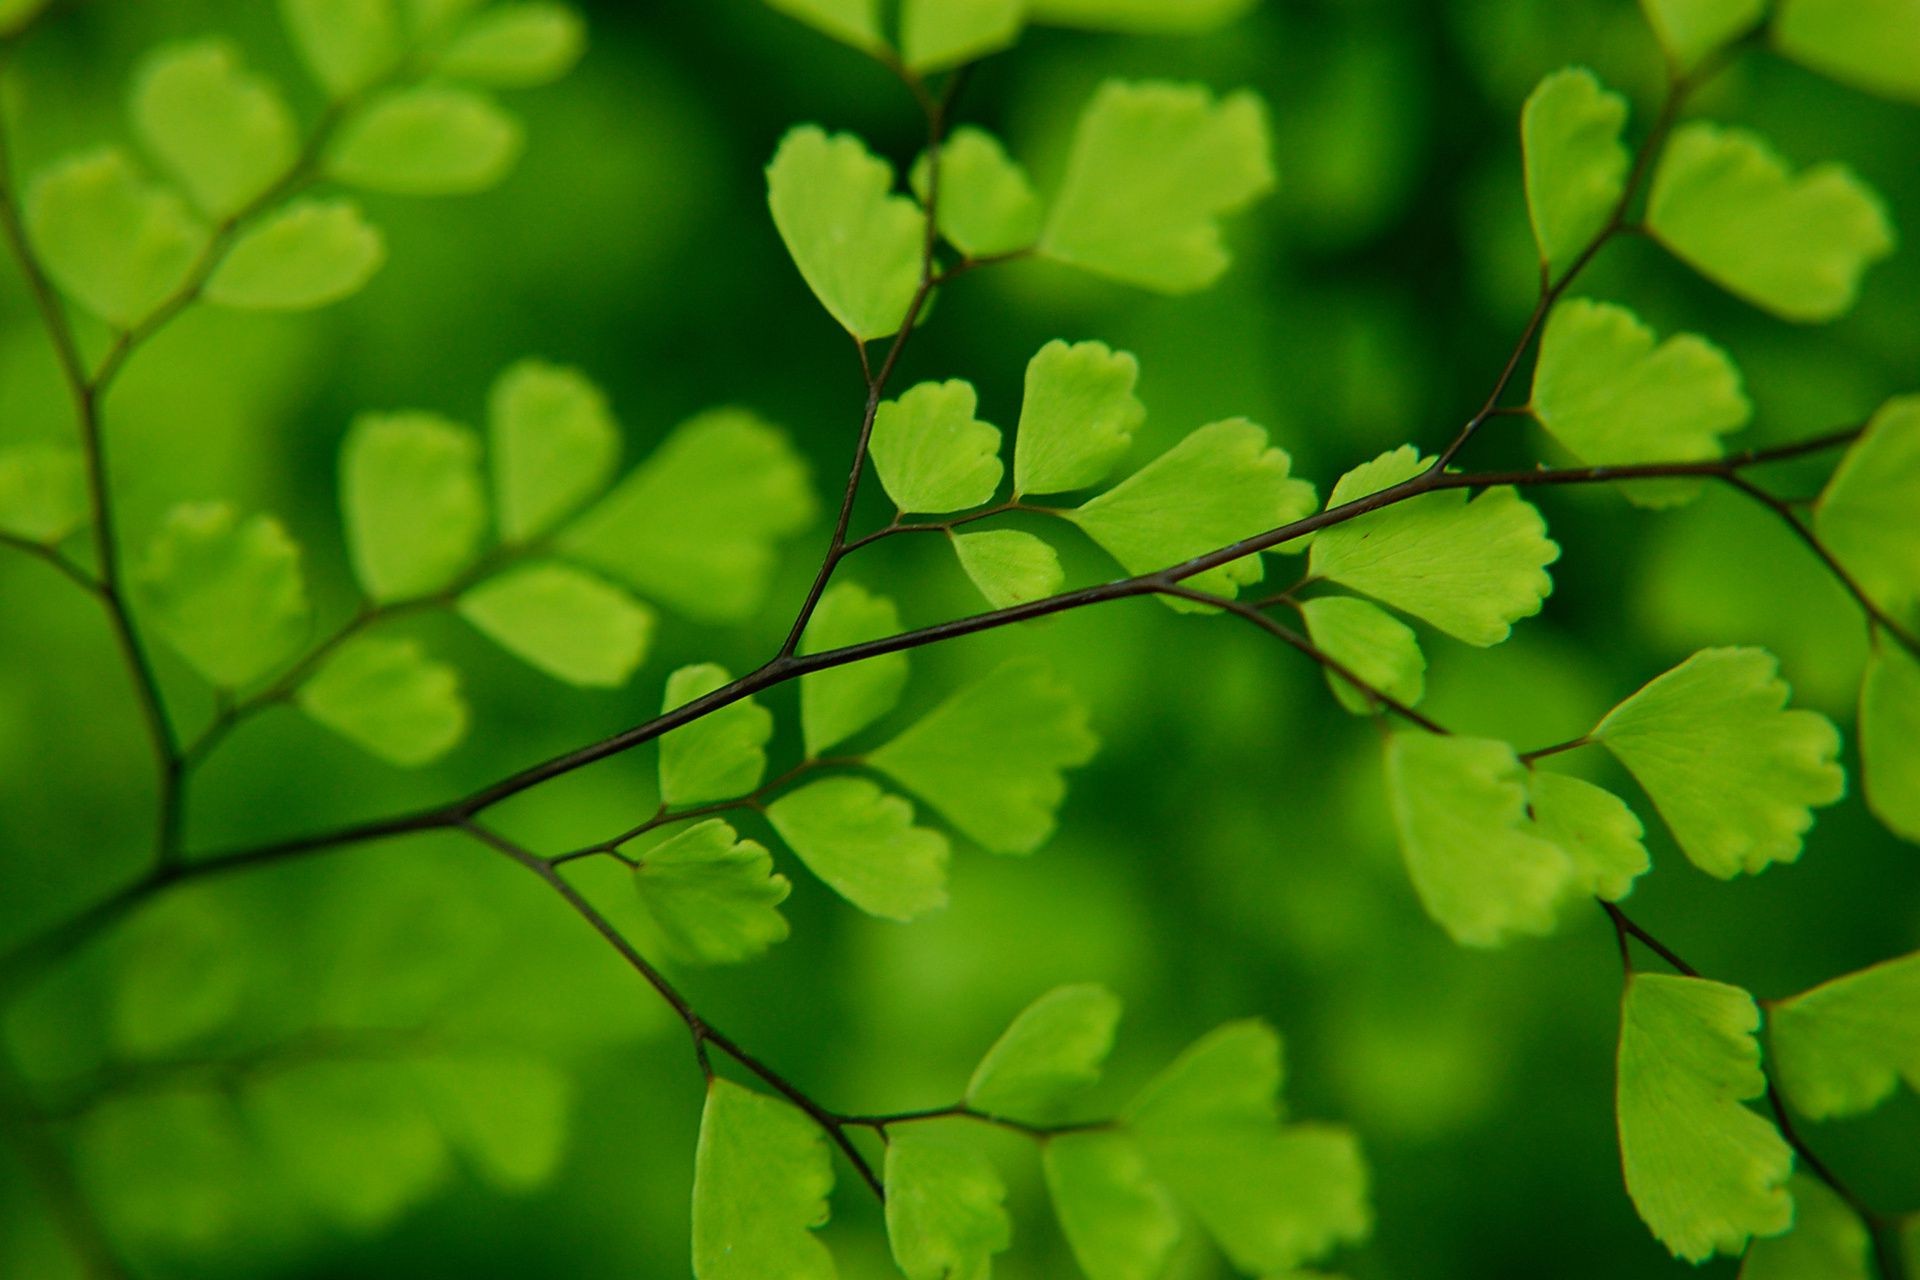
x,y
173,1109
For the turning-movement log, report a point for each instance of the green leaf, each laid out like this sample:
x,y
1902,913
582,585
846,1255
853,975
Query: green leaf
x,y
1048,1056
713,896
931,454
1840,1048
862,843
180,977
1869,44
516,46
553,443
414,505
1272,1196
761,1176
720,756
1592,826
1009,567
937,34
1370,642
17,15
1734,773
309,254
990,757
119,246
1796,245
694,524
1219,485
1828,1242
1869,514
857,244
1576,163
945,1214
1704,1172
224,132
566,622
840,702
429,140
1480,867
1690,30
348,45
1890,736
506,1116
43,492
987,204
1611,392
855,22
1153,168
1120,1223
388,698
1471,569
1077,419
227,594
1139,17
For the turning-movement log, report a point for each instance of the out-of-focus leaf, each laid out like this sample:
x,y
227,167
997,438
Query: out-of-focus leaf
x,y
227,593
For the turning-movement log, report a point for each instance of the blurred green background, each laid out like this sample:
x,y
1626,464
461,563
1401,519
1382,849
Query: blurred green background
x,y
1227,853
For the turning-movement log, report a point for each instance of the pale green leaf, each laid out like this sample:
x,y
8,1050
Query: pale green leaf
x,y
1471,568
1139,17
224,132
1120,1223
1221,484
855,22
863,844
1010,567
1153,168
937,34
430,21
694,525
987,204
1795,244
857,244
348,45
1705,1172
516,45
1870,44
761,1175
309,254
1078,417
553,443
227,593
720,756
1733,772
428,140
1481,869
1869,514
387,697
1828,1241
43,492
1841,1048
1612,393
1272,1196
1048,1056
506,1116
119,246
990,758
414,504
840,702
1690,30
1372,644
566,622
1576,163
945,1216
713,896
1890,736
1592,826
931,454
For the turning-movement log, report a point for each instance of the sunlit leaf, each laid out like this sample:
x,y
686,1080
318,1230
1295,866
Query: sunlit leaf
x,y
1592,826
1827,1242
1842,1047
987,205
1734,773
553,444
568,623
309,254
224,132
227,593
1372,644
507,1117
1870,44
721,755
840,702
1690,30
990,757
713,896
760,1181
1890,736
1153,168
1576,162
428,140
413,500
935,34
863,844
1120,1223
516,45
945,1218
931,454
1078,417
43,491
1143,17
348,45
1010,567
1705,1172
1869,514
1048,1056
387,697
120,246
